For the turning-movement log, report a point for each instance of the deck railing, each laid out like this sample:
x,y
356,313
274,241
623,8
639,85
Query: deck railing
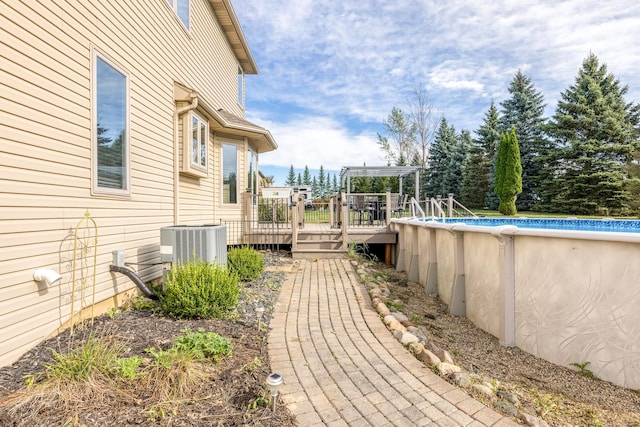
x,y
275,217
447,208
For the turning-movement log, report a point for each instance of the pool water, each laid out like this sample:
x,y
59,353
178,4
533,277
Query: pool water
x,y
606,224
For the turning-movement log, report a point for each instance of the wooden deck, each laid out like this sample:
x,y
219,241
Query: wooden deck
x,y
321,231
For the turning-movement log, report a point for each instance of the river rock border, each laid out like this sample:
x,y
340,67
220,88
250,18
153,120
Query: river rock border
x,y
439,360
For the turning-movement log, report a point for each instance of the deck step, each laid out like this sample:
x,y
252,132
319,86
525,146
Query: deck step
x,y
318,253
315,235
320,244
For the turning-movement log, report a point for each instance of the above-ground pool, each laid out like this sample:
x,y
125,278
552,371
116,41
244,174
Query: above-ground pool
x,y
606,224
564,289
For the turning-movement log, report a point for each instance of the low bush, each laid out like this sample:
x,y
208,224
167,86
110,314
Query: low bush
x,y
246,262
198,289
204,344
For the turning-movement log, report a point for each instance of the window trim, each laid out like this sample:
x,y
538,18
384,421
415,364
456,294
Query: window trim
x,y
251,171
95,189
240,87
188,165
238,147
173,5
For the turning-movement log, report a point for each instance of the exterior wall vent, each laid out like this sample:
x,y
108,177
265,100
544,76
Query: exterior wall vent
x,y
184,242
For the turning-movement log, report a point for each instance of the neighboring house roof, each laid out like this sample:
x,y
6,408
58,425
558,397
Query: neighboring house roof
x,y
232,29
228,123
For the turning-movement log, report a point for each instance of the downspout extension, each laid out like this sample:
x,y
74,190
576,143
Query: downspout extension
x,y
135,279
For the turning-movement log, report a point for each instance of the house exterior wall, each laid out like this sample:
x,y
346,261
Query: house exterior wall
x,y
46,150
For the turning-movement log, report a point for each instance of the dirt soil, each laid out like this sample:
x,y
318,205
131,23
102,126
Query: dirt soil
x,y
559,395
236,392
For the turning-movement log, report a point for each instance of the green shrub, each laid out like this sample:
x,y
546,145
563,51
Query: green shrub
x,y
246,262
198,289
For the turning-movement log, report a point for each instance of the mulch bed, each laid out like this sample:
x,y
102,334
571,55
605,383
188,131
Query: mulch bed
x,y
235,394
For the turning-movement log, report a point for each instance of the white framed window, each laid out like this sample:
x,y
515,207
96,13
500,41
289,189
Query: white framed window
x,y
229,173
111,128
240,87
195,151
181,9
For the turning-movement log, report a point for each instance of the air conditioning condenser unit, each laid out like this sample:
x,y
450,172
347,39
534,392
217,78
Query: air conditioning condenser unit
x,y
181,243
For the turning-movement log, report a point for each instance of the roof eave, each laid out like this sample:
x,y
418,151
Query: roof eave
x,y
223,10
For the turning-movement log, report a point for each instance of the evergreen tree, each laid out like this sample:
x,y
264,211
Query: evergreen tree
x,y
455,169
440,154
524,110
291,178
335,188
508,182
315,191
306,178
595,134
299,180
475,181
489,139
633,183
322,184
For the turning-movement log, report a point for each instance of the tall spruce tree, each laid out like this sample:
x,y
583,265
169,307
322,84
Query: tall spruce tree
x,y
488,139
508,181
524,110
306,178
595,132
315,190
475,181
291,178
335,188
455,169
440,155
322,182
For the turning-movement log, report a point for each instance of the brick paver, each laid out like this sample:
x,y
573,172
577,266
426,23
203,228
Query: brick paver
x,y
340,367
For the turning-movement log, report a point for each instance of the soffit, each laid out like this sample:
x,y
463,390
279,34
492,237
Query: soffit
x,y
228,20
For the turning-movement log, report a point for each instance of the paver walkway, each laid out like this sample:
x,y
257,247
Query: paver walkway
x,y
342,367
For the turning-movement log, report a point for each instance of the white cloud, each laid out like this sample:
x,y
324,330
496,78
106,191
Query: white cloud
x,y
347,63
319,141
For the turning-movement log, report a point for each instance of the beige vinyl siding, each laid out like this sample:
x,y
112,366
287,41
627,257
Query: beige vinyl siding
x,y
46,145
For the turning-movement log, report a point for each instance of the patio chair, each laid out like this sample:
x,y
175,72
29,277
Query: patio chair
x,y
400,206
362,207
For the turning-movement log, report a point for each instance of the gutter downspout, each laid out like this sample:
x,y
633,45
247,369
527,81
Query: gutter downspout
x,y
176,155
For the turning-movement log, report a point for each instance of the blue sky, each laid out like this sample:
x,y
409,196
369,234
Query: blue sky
x,y
331,71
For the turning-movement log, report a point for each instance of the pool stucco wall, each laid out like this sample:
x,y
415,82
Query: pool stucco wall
x,y
484,294
567,297
578,301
